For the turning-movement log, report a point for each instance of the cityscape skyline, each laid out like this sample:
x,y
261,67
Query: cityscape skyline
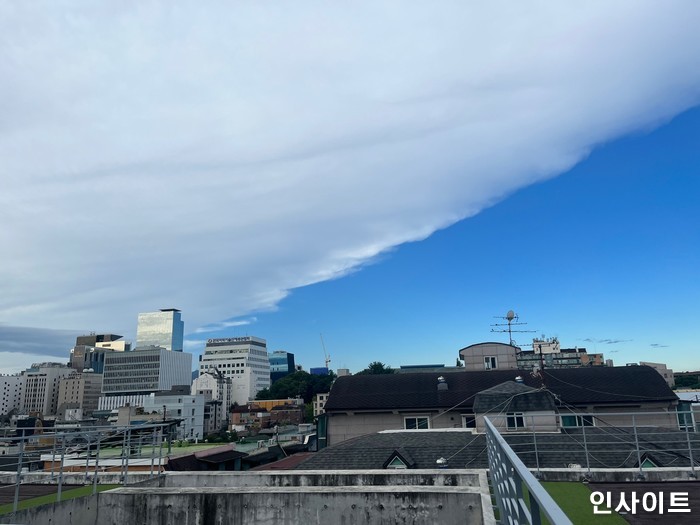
x,y
395,197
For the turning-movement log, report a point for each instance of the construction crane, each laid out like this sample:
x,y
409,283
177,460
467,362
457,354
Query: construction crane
x,y
328,358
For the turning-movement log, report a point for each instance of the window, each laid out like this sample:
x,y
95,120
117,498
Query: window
x,y
490,362
515,420
412,423
468,421
576,421
396,463
685,416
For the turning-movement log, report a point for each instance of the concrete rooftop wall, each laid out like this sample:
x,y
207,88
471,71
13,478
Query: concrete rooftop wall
x,y
349,497
323,478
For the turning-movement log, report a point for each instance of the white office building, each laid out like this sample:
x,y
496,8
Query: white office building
x,y
163,328
242,359
11,387
145,371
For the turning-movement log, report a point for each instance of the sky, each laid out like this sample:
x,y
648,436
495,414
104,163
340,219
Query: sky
x,y
391,175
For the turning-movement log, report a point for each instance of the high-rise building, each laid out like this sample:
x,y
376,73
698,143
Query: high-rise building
x,y
163,328
41,387
11,387
89,351
244,360
281,364
80,391
145,371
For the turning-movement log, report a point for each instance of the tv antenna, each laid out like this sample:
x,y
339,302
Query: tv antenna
x,y
509,317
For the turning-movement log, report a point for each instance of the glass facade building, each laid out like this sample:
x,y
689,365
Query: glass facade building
x,y
281,364
164,328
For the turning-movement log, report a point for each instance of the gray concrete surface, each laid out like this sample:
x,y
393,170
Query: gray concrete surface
x,y
347,497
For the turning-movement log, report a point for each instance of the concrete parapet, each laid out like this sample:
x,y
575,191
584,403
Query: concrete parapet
x,y
320,478
349,497
292,505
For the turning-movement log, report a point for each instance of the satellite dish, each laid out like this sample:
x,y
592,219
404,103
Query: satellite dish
x,y
510,315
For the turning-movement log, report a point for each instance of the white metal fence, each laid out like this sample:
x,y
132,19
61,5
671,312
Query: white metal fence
x,y
513,483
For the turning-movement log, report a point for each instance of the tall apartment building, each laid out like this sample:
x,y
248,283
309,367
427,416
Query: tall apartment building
x,y
281,364
80,390
244,360
11,388
163,328
41,387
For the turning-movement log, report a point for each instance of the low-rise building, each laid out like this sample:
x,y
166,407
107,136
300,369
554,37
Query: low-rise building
x,y
363,404
217,389
319,403
287,415
179,404
662,369
489,356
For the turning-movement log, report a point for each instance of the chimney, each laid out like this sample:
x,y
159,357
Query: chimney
x,y
442,384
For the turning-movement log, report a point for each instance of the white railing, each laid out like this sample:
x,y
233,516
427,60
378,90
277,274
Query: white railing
x,y
512,480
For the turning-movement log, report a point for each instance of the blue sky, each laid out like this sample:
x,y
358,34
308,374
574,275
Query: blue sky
x,y
604,257
392,176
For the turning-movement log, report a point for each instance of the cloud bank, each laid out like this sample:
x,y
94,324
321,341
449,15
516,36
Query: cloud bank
x,y
214,157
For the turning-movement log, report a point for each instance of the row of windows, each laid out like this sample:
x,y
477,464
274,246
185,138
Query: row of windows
x,y
514,421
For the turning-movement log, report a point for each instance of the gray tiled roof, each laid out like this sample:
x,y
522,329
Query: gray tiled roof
x,y
607,448
513,397
599,385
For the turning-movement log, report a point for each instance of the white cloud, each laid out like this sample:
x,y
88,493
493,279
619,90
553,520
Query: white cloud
x,y
225,324
213,157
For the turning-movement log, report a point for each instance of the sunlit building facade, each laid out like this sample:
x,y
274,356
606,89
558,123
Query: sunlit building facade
x,y
163,328
244,360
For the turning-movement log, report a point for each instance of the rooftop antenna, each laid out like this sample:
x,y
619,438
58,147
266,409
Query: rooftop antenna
x,y
509,317
325,354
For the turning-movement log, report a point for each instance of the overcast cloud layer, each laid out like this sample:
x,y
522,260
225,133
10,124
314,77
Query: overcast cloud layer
x,y
212,158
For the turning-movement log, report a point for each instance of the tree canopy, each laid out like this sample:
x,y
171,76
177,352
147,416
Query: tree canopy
x,y
300,384
377,367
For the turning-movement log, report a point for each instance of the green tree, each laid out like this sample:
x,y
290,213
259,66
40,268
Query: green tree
x,y
300,384
377,367
264,394
308,413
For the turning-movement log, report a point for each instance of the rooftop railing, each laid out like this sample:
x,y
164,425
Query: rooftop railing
x,y
85,455
520,497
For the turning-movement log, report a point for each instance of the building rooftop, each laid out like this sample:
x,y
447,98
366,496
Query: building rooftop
x,y
599,385
607,447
